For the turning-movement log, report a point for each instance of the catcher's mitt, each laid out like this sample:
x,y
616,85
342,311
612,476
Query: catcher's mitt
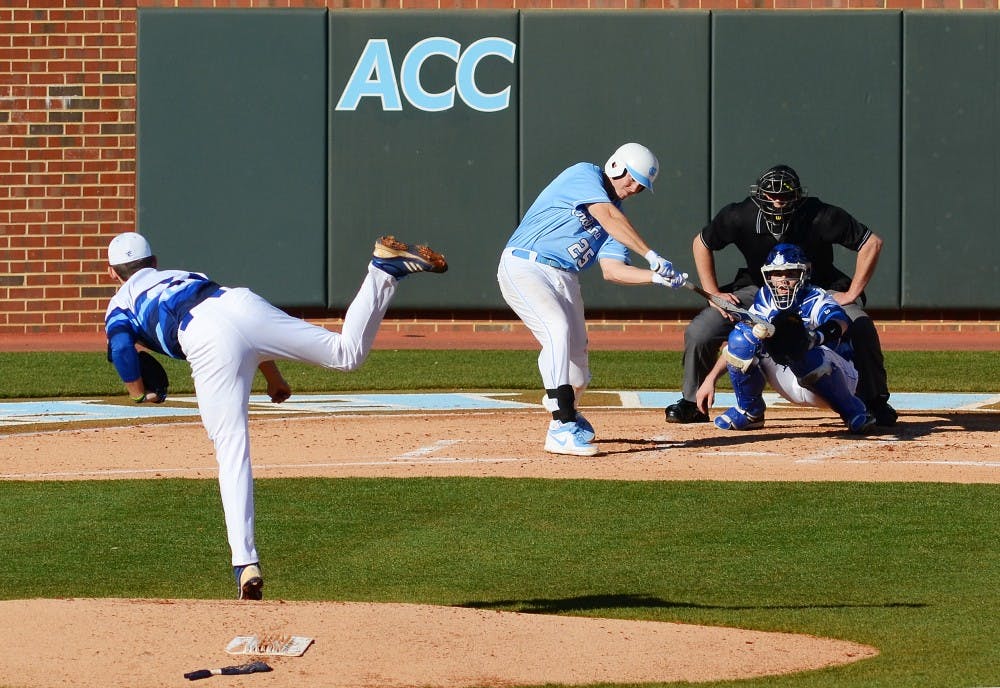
x,y
154,377
790,341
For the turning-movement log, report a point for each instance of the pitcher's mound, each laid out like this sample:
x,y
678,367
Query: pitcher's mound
x,y
109,643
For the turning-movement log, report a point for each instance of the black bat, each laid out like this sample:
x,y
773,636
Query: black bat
x,y
729,307
251,668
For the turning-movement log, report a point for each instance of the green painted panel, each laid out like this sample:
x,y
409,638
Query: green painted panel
x,y
423,145
231,146
951,176
592,81
819,91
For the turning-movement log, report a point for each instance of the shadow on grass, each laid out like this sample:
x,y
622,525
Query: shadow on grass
x,y
584,603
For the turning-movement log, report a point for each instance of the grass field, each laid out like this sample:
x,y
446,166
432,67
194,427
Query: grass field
x,y
912,569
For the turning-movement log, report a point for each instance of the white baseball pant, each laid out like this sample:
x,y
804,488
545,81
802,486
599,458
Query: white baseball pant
x,y
550,304
227,338
783,380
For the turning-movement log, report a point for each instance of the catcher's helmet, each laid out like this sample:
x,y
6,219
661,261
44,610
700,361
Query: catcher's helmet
x,y
635,159
778,194
785,259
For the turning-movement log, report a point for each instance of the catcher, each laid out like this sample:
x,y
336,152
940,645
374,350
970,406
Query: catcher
x,y
806,360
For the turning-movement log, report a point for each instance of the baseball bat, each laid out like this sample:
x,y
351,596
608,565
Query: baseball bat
x,y
728,306
250,668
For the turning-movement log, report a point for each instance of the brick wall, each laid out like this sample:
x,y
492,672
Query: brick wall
x,y
67,136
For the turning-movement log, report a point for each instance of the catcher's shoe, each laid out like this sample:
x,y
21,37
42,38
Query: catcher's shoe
x,y
249,582
567,438
738,419
586,429
684,411
400,259
861,423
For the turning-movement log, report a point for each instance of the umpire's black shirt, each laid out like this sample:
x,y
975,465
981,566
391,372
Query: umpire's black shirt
x,y
816,226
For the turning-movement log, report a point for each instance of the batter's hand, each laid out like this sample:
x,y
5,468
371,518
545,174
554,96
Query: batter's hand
x,y
674,281
659,264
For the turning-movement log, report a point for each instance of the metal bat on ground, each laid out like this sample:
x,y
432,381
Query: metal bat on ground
x,y
738,311
249,668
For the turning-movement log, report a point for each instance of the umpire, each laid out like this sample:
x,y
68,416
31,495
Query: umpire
x,y
779,210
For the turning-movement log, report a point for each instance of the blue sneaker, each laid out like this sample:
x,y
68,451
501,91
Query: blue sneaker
x,y
249,582
738,419
399,259
586,429
568,438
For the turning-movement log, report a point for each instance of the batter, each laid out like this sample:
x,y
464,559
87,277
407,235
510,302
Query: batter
x,y
575,223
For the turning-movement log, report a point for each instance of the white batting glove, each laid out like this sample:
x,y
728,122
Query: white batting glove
x,y
675,280
659,264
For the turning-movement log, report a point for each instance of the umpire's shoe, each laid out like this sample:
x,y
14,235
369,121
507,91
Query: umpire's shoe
x,y
249,582
685,411
400,259
885,415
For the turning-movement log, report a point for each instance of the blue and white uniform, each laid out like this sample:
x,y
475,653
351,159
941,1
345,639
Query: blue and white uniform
x,y
816,307
540,266
225,334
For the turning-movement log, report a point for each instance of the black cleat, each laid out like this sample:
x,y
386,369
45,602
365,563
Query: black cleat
x,y
685,411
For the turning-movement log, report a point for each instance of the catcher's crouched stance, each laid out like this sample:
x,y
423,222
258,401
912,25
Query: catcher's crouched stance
x,y
805,360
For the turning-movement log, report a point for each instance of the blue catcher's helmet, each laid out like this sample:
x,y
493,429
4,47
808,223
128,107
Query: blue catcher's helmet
x,y
785,272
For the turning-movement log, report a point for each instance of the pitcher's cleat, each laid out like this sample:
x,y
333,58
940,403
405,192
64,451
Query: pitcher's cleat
x,y
249,582
400,259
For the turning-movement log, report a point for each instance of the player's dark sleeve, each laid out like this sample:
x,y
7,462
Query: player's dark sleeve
x,y
725,227
837,226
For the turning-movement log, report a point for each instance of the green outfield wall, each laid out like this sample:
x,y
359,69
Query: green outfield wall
x,y
277,144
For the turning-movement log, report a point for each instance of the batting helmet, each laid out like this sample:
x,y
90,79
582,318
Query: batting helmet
x,y
786,259
635,159
778,194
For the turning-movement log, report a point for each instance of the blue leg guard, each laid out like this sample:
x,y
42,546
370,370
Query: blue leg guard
x,y
823,378
748,414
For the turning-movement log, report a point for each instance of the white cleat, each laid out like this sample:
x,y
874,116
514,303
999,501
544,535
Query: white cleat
x,y
568,438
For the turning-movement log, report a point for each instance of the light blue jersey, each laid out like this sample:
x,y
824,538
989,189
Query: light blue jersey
x,y
150,308
558,227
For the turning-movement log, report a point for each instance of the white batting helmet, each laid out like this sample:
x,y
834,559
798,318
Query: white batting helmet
x,y
635,159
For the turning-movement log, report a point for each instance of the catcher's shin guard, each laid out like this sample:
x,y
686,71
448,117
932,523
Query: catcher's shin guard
x,y
742,348
828,382
748,414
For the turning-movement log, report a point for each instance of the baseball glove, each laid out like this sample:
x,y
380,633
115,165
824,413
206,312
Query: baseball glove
x,y
790,341
154,377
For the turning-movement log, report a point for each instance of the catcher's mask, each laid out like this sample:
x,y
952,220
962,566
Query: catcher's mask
x,y
786,271
778,194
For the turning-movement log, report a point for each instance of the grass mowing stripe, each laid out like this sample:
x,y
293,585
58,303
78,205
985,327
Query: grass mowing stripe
x,y
75,374
910,568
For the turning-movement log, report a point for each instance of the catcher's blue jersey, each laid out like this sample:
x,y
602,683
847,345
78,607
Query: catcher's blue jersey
x,y
814,305
558,226
149,308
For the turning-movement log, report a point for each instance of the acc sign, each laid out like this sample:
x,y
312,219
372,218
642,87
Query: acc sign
x,y
374,76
